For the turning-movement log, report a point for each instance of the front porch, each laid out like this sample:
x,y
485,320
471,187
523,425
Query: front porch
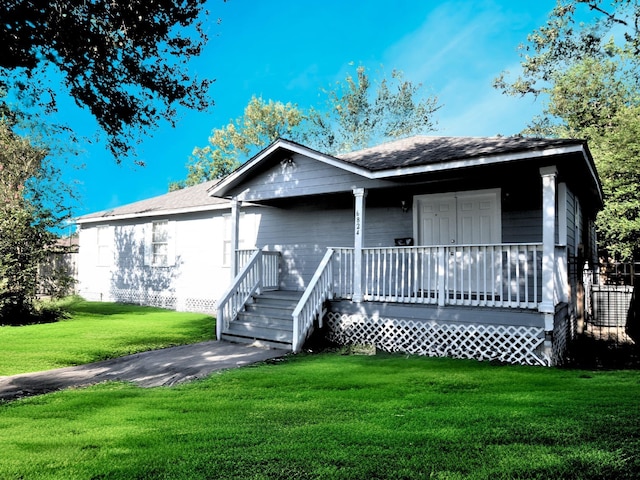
x,y
467,301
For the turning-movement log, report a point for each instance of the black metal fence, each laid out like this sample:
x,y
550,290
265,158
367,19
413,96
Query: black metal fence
x,y
611,332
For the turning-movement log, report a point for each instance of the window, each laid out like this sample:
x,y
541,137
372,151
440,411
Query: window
x,y
160,244
246,232
104,246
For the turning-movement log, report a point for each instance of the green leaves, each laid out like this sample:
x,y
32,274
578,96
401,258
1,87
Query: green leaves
x,y
356,115
26,220
585,63
262,122
124,60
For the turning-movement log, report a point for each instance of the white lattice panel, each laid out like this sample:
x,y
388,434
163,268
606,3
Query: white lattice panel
x,y
560,341
510,344
145,298
200,305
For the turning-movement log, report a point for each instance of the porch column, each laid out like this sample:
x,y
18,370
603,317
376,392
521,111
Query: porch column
x,y
358,241
547,305
235,231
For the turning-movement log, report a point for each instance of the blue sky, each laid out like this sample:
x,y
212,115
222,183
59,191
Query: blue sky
x,y
288,50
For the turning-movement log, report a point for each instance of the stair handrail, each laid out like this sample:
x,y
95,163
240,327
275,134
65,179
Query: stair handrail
x,y
244,285
320,289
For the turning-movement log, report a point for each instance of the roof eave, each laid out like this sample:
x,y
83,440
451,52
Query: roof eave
x,y
151,213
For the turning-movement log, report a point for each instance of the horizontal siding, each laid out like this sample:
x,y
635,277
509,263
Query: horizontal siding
x,y
304,177
197,275
571,223
303,235
522,226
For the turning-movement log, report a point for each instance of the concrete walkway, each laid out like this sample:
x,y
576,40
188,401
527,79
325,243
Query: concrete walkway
x,y
165,367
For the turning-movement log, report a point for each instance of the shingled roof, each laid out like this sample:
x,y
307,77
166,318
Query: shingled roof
x,y
185,200
423,150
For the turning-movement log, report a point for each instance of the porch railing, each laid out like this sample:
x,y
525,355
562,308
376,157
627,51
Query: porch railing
x,y
270,266
311,304
504,275
259,272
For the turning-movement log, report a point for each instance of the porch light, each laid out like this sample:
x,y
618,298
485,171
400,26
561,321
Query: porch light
x,y
288,162
404,205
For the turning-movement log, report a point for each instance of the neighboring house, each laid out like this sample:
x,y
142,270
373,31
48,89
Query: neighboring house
x,y
58,274
467,247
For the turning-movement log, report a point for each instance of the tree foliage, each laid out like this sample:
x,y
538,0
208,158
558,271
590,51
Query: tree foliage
x,y
27,219
618,152
585,64
262,122
359,114
126,61
356,114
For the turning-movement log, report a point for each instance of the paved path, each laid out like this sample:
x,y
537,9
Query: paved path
x,y
148,369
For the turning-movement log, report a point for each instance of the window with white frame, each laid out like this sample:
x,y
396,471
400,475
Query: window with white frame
x,y
246,236
160,243
104,241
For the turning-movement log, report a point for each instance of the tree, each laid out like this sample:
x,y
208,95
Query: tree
x,y
618,152
588,73
261,123
124,60
355,116
27,220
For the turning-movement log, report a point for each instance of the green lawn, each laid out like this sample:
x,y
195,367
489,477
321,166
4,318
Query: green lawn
x,y
97,331
337,417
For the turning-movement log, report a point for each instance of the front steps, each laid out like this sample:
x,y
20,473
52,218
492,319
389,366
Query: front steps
x,y
266,321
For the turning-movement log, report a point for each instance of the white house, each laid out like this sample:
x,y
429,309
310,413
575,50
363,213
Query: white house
x,y
468,247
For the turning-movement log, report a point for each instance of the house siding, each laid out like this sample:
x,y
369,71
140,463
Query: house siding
x,y
304,176
303,235
193,281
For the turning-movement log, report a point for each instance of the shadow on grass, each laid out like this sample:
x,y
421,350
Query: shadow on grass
x,y
591,353
106,309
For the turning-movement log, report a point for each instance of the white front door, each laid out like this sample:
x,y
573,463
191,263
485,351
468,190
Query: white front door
x,y
437,220
467,218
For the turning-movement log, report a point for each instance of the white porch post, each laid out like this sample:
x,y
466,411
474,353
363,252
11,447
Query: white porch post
x,y
235,230
547,306
358,242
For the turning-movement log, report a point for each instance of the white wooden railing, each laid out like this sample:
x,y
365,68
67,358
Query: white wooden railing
x,y
260,272
505,275
270,266
311,304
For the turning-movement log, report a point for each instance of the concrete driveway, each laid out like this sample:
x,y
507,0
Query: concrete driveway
x,y
165,367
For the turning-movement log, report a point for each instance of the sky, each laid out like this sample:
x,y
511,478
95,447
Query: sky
x,y
288,50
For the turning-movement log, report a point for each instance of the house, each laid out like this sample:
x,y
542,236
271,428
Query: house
x,y
458,246
169,251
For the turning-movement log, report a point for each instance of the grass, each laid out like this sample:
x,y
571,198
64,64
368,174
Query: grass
x,y
337,417
97,331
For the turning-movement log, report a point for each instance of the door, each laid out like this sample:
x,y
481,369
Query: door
x,y
467,219
437,219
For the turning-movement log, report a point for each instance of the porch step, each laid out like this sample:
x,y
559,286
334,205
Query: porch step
x,y
266,321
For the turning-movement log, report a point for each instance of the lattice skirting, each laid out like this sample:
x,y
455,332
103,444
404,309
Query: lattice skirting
x,y
163,300
136,297
510,344
561,337
200,305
